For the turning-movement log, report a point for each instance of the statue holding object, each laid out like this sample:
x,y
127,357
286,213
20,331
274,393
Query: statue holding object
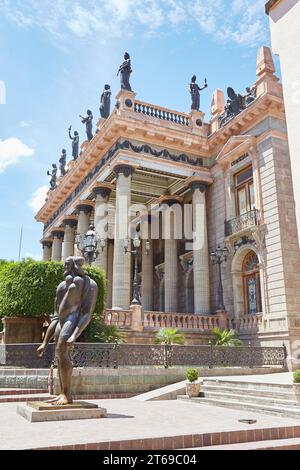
x,y
75,143
53,175
195,92
125,71
88,121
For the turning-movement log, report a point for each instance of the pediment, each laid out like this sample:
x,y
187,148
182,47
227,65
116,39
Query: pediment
x,y
236,146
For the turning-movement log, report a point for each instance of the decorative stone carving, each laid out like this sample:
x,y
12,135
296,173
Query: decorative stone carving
x,y
126,170
84,208
202,186
103,191
57,234
236,103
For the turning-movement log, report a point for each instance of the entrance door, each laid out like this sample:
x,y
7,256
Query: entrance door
x,y
251,281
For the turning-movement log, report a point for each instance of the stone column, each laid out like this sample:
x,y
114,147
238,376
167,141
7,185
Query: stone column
x,y
171,267
200,251
84,212
122,260
69,238
109,276
147,277
58,236
47,250
102,194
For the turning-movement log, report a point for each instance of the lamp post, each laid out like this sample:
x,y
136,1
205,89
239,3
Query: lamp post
x,y
136,243
218,257
89,244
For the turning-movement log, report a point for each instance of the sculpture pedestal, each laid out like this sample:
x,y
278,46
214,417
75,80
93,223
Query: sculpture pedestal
x,y
39,411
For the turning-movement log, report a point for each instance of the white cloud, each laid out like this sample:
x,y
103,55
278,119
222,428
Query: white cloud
x,y
26,123
35,256
38,198
240,21
12,151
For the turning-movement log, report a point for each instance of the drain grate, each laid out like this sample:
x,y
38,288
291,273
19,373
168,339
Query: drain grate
x,y
247,421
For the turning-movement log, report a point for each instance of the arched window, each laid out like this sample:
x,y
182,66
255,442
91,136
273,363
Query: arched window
x,y
251,282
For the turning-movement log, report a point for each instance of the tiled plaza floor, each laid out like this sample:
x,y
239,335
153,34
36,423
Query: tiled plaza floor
x,y
129,419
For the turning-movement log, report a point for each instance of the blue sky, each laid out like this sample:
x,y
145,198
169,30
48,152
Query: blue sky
x,y
56,56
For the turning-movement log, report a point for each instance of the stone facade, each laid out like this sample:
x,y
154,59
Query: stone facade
x,y
187,177
284,16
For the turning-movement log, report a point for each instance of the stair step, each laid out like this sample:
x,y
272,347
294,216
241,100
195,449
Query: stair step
x,y
21,391
24,397
261,408
266,393
258,399
249,385
278,444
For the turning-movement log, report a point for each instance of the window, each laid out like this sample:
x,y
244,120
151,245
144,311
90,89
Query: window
x,y
244,191
251,282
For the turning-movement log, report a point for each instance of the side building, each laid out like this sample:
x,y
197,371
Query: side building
x,y
236,169
284,18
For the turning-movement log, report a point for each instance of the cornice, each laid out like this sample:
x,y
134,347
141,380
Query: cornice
x,y
155,134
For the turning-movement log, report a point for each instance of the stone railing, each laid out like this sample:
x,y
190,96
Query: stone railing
x,y
249,323
241,222
186,321
119,318
162,113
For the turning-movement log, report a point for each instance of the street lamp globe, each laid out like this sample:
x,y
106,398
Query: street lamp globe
x,y
90,243
136,242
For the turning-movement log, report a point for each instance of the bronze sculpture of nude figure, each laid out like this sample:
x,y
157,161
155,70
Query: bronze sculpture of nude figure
x,y
75,302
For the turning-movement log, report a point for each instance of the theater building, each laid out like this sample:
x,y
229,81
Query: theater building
x,y
235,167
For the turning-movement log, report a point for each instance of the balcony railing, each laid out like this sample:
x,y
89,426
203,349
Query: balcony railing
x,y
161,113
243,221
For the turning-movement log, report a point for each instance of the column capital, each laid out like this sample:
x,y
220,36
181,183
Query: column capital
x,y
199,182
126,170
170,199
47,242
198,185
103,189
58,233
85,207
70,222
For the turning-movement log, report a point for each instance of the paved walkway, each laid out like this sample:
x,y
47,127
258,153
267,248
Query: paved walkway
x,y
129,419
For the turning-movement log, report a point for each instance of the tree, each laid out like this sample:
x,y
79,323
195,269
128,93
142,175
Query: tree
x,y
28,288
225,338
169,336
110,334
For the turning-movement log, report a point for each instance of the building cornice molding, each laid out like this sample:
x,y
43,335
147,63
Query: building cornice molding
x,y
271,4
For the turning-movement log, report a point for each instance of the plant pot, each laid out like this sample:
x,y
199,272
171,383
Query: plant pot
x,y
192,389
296,387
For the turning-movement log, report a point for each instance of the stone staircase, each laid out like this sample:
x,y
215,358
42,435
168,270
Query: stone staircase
x,y
22,395
269,398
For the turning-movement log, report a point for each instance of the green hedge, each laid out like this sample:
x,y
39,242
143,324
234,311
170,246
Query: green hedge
x,y
27,288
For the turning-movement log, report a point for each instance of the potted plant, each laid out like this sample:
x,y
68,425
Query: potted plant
x,y
296,384
192,386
